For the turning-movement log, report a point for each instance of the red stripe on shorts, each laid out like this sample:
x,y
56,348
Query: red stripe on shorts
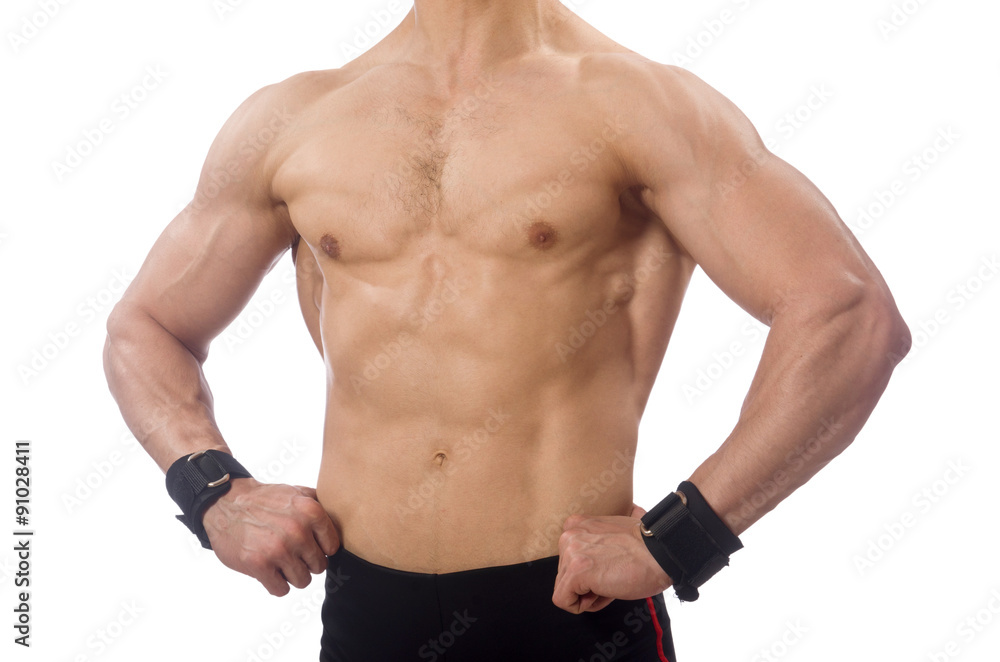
x,y
659,630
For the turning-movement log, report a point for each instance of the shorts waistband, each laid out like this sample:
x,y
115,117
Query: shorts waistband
x,y
344,555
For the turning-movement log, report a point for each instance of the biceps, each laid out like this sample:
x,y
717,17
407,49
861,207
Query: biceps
x,y
766,235
204,268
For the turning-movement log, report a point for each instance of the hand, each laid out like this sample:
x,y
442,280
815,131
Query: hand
x,y
277,534
603,559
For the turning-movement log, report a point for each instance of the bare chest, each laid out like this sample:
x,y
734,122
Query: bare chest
x,y
369,176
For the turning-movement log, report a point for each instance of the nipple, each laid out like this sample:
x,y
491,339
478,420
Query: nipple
x,y
541,235
330,246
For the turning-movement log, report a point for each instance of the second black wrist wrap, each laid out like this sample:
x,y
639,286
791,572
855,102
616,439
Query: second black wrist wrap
x,y
691,543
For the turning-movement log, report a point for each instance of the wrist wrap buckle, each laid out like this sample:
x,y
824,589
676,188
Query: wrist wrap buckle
x,y
688,540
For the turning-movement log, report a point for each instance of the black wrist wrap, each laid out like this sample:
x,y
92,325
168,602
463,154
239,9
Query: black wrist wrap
x,y
689,542
195,481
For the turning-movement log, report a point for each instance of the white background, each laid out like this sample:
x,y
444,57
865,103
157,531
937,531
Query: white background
x,y
106,541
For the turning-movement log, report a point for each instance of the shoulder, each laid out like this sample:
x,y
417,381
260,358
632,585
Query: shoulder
x,y
280,102
245,149
650,91
672,119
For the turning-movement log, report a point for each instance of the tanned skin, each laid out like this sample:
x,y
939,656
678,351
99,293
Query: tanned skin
x,y
487,180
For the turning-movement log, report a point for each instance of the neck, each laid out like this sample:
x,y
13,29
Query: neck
x,y
476,34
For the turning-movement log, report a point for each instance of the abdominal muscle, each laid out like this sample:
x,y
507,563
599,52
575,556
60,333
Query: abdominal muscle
x,y
486,489
464,421
465,455
467,442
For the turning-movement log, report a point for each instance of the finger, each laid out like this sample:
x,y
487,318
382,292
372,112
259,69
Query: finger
x,y
637,511
315,559
324,532
593,602
306,548
599,603
565,554
567,592
565,598
572,522
274,582
326,535
563,562
296,573
586,600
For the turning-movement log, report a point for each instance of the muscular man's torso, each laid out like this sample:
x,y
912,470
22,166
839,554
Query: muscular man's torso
x,y
492,300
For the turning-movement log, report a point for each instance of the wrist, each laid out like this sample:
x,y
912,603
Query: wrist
x,y
663,580
196,481
217,513
220,507
687,539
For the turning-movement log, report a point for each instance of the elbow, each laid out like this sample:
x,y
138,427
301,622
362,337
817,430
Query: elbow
x,y
117,328
860,324
883,334
134,330
897,335
117,321
120,325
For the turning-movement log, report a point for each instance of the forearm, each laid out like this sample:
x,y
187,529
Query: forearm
x,y
819,379
160,388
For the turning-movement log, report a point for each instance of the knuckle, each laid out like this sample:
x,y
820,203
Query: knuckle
x,y
580,563
572,521
279,556
307,505
272,544
318,517
294,536
317,562
311,512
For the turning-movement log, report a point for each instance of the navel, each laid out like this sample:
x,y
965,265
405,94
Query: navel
x,y
541,235
330,245
440,458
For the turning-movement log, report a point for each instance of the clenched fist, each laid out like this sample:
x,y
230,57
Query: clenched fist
x,y
603,559
277,534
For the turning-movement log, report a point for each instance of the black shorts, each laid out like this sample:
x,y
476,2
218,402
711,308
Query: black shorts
x,y
504,613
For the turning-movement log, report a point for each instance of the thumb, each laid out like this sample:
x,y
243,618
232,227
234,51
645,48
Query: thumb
x,y
587,601
637,511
